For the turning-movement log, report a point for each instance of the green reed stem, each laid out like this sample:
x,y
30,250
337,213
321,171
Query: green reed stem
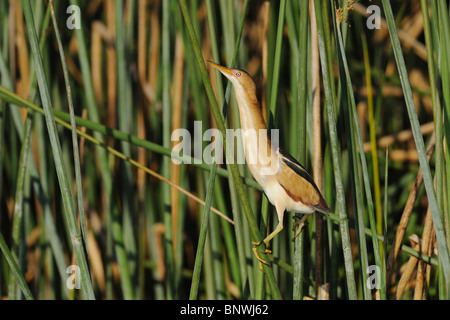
x,y
76,154
17,227
15,269
336,156
69,213
302,78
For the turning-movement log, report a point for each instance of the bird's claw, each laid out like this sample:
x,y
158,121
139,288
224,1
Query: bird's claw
x,y
255,251
299,224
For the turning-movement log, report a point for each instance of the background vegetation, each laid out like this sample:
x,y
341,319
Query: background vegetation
x,y
86,178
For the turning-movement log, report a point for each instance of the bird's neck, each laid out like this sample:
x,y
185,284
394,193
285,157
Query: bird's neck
x,y
255,138
249,110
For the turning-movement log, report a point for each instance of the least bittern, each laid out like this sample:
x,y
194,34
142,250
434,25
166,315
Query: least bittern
x,y
286,183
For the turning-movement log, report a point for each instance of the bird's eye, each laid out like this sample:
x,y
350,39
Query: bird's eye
x,y
238,74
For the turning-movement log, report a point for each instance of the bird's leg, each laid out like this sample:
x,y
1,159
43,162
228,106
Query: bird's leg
x,y
280,213
299,223
266,241
274,233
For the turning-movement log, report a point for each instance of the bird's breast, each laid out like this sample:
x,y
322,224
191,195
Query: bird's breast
x,y
259,152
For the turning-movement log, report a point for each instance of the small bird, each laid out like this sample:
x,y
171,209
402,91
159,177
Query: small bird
x,y
286,183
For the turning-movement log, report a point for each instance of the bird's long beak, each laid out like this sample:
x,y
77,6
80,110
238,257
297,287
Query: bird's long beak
x,y
226,71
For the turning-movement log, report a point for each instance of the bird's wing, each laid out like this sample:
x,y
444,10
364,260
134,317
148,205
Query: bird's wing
x,y
298,184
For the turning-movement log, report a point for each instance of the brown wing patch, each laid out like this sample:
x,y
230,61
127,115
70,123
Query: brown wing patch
x,y
297,187
294,197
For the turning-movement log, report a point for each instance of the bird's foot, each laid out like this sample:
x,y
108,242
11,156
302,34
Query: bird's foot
x,y
255,251
299,224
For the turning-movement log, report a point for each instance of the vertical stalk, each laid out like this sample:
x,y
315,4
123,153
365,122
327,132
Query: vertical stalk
x,y
17,227
335,152
373,141
166,114
301,138
277,63
357,142
76,154
66,193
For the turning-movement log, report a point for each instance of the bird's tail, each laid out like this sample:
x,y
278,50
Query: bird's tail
x,y
322,206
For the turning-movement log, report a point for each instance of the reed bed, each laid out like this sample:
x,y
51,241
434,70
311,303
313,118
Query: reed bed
x,y
97,202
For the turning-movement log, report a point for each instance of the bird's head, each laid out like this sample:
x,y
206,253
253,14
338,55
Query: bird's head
x,y
240,79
